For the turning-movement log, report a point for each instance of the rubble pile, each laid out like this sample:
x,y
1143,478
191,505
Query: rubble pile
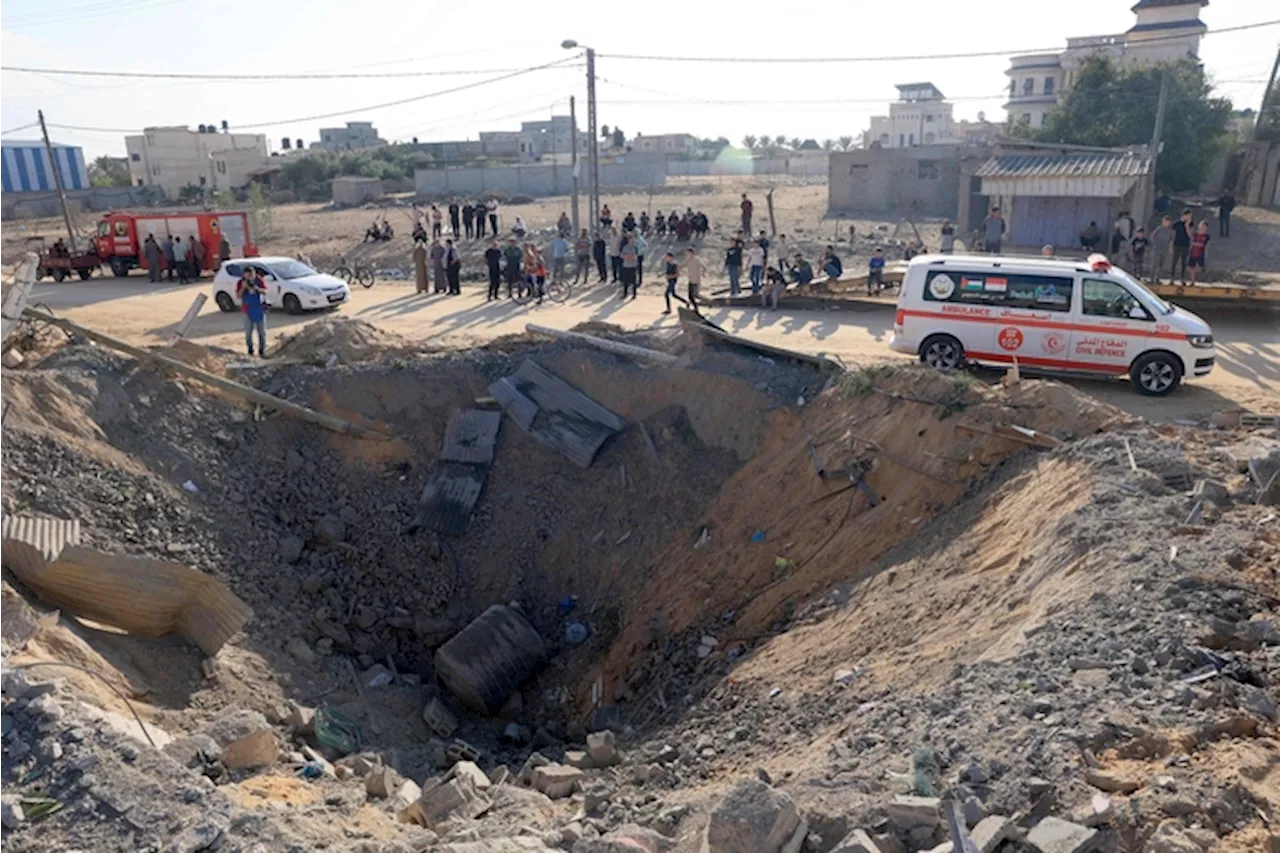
x,y
777,613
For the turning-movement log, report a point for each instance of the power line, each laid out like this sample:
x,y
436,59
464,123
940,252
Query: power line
x,y
93,10
145,75
916,58
22,128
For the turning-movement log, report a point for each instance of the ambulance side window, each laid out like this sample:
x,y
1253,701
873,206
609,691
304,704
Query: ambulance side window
x,y
1102,298
1000,289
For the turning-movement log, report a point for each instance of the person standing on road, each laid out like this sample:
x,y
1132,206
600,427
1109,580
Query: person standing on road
x,y
1182,231
468,220
151,250
437,222
180,260
693,270
251,290
756,262
747,209
454,218
420,268
582,249
1226,204
478,211
733,266
672,272
628,263
875,272
492,207
1138,251
615,254
642,246
948,242
437,266
564,226
1199,246
600,250
559,257
993,229
453,268
513,261
1162,249
493,260
168,255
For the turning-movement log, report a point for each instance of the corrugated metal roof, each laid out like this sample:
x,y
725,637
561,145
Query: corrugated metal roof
x,y
449,497
1124,164
30,542
554,412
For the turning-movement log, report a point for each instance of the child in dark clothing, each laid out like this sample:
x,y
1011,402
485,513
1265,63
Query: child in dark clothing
x,y
875,272
672,271
1138,251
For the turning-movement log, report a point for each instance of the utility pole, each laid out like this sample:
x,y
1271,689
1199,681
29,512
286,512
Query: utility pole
x,y
57,182
1156,133
593,147
1266,96
573,149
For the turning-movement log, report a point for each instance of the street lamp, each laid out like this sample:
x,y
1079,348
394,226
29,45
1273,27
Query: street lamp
x,y
593,148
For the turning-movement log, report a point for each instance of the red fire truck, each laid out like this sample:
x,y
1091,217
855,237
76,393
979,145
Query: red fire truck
x,y
121,235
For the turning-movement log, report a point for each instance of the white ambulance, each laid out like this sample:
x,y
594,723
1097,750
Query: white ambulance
x,y
1065,316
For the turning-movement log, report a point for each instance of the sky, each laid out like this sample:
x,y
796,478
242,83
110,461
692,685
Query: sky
x,y
496,39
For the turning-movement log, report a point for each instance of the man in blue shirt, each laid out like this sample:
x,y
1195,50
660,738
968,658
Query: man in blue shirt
x,y
252,292
875,272
559,257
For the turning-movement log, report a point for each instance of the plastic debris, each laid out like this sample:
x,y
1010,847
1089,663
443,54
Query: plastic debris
x,y
336,729
758,536
311,770
704,539
575,633
191,487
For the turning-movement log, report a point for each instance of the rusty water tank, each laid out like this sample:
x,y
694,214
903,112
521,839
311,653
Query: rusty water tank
x,y
486,661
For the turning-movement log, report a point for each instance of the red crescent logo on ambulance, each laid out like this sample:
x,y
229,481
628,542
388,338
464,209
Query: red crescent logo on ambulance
x,y
1054,343
1010,339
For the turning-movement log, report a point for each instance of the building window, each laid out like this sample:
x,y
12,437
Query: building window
x,y
902,141
135,157
927,170
155,170
139,181
1029,86
911,139
929,138
928,117
1013,88
151,139
222,167
1048,85
1026,119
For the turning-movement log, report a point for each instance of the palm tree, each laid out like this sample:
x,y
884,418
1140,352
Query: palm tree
x,y
828,145
795,143
749,142
846,143
780,141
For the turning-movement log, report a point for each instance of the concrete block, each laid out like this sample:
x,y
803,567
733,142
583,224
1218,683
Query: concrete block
x,y
469,770
856,842
1054,835
460,750
556,780
910,812
752,818
990,831
439,718
405,802
256,750
455,798
578,758
602,747
499,775
381,781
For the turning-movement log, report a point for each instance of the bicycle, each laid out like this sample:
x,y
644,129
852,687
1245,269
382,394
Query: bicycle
x,y
354,273
556,291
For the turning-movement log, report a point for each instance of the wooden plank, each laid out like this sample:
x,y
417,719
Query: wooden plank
x,y
244,392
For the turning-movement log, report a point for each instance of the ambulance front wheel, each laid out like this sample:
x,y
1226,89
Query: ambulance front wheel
x,y
1156,374
942,352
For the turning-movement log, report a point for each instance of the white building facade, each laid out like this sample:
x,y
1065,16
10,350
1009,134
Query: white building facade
x,y
920,116
1163,31
356,135
171,158
671,144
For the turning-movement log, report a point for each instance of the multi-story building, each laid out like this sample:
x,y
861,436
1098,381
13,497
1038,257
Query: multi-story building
x,y
670,144
920,116
552,137
26,167
357,134
171,158
1163,31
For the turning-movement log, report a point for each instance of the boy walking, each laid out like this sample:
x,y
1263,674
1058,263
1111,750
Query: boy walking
x,y
693,270
672,271
251,290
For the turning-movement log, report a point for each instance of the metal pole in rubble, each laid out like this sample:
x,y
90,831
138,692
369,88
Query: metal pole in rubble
x,y
573,149
57,181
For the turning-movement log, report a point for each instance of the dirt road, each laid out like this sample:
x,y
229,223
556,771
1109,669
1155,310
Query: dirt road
x,y
1247,375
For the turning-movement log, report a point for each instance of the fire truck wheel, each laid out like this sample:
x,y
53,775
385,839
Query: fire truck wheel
x,y
85,273
119,268
59,275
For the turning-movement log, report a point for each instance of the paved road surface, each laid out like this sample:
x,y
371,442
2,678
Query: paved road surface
x,y
1248,371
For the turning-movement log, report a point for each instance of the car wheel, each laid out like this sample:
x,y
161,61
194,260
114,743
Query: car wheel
x,y
119,268
225,302
85,273
1156,374
59,275
942,352
292,304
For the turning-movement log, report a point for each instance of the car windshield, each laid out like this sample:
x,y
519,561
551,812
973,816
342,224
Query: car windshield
x,y
291,269
1134,284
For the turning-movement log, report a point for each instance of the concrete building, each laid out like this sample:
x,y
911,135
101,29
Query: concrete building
x,y
920,116
353,189
670,144
170,158
25,167
553,136
919,181
980,132
1049,194
1163,31
504,143
356,135
537,179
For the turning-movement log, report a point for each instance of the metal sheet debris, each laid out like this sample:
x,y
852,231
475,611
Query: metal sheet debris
x,y
137,594
470,436
563,417
450,495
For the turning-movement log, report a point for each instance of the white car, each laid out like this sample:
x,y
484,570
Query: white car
x,y
291,285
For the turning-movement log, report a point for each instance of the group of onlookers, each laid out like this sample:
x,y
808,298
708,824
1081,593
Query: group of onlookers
x,y
185,258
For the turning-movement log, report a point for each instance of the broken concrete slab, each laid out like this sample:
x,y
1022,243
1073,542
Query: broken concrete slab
x,y
857,841
990,832
381,781
1112,783
1054,835
556,780
908,812
405,802
752,818
602,747
454,798
470,770
255,750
